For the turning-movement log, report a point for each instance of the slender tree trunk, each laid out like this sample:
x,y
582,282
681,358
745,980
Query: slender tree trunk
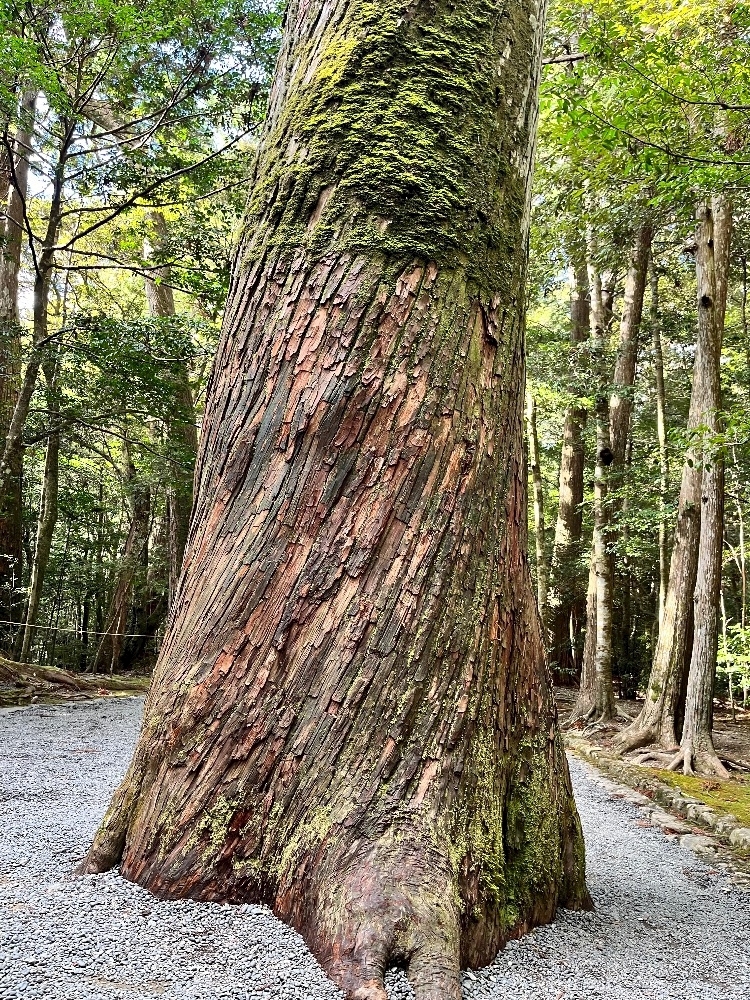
x,y
182,435
743,564
712,266
44,535
585,704
12,451
566,611
47,359
612,430
109,653
351,716
621,400
661,436
600,318
604,698
542,571
659,719
11,548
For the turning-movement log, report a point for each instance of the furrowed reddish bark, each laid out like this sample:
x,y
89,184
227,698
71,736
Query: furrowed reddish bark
x,y
351,718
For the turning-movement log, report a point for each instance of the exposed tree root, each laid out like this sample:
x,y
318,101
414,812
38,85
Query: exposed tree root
x,y
24,682
372,918
635,737
703,762
581,716
657,758
632,738
734,764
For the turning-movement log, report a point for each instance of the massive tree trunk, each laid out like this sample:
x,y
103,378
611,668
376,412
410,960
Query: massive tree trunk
x,y
658,720
351,717
566,608
11,548
542,571
712,265
182,435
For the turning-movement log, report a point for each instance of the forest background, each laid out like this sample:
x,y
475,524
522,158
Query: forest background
x,y
128,136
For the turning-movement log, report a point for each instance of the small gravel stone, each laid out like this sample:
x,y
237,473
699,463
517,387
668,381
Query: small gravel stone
x,y
666,924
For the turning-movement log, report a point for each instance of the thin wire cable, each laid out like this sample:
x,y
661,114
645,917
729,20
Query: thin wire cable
x,y
78,631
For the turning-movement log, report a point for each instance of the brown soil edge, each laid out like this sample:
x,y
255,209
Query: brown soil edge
x,y
30,683
694,819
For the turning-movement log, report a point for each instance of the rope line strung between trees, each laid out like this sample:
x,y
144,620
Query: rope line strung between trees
x,y
77,631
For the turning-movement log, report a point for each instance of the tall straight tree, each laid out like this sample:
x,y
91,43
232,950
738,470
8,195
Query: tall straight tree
x,y
542,569
713,242
657,722
601,290
596,697
181,430
565,604
351,717
15,185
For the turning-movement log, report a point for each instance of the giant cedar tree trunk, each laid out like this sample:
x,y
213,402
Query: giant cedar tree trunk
x,y
351,717
565,605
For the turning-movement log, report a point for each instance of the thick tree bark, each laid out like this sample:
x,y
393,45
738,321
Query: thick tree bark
x,y
659,719
542,571
11,548
566,610
351,717
712,266
182,435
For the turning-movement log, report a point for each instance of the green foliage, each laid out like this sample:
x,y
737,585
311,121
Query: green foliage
x,y
140,107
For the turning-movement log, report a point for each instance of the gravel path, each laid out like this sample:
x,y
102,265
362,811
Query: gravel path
x,y
667,926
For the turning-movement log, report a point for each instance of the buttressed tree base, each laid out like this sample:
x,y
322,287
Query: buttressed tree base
x,y
351,718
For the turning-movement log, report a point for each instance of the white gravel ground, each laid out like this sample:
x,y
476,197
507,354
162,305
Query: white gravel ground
x,y
667,926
